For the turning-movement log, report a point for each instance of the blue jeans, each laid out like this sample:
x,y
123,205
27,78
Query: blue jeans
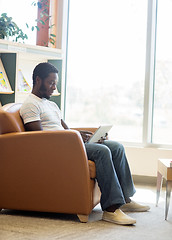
x,y
112,172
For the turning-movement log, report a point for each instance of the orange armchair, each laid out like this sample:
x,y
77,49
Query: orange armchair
x,y
43,170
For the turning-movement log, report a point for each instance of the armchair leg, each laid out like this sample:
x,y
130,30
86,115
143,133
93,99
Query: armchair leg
x,y
83,218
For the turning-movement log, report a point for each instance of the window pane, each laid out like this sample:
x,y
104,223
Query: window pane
x,y
22,12
106,65
162,126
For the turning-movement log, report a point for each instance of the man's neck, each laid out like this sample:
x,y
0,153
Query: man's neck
x,y
36,93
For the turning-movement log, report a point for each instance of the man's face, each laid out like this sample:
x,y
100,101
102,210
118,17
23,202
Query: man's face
x,y
48,85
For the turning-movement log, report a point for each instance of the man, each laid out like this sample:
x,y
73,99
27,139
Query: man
x,y
112,170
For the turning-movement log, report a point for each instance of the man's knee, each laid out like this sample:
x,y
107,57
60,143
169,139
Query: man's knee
x,y
121,147
98,152
103,150
114,145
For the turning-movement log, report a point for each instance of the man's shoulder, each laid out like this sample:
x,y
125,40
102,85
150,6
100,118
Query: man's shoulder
x,y
32,99
30,102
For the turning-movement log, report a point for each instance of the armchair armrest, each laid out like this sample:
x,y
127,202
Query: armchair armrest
x,y
90,129
44,167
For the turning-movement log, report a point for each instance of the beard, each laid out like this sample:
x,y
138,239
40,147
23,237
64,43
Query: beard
x,y
43,91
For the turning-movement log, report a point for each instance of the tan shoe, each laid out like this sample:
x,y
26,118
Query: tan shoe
x,y
118,217
134,207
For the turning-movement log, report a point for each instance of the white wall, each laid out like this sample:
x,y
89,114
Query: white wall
x,y
143,161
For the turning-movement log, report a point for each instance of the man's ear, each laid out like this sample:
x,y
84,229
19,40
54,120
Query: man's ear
x,y
38,81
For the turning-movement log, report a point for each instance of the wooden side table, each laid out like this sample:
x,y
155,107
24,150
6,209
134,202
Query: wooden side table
x,y
164,171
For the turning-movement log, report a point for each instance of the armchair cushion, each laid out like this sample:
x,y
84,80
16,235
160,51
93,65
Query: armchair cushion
x,y
8,123
92,169
10,120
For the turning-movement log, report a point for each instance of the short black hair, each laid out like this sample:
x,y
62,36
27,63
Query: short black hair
x,y
43,70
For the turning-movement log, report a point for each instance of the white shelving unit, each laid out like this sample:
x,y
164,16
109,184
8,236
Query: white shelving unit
x,y
26,58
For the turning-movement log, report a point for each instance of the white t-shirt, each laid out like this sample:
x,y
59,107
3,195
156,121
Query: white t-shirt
x,y
41,109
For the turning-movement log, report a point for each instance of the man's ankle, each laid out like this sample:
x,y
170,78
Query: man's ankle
x,y
127,200
113,208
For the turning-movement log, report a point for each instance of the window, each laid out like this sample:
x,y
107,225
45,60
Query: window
x,y
22,12
106,65
162,126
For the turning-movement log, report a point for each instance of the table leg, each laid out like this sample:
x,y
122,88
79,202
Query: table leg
x,y
159,186
168,193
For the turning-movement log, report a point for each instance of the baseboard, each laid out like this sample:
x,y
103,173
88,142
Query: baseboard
x,y
148,180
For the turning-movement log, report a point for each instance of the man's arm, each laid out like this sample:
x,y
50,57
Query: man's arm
x,y
33,126
64,124
84,134
36,126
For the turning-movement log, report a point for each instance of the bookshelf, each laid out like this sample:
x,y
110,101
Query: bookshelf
x,y
18,61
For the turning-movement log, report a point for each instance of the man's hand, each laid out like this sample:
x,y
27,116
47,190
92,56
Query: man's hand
x,y
85,135
102,139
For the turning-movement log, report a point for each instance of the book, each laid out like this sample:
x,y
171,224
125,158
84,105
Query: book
x,y
23,85
4,82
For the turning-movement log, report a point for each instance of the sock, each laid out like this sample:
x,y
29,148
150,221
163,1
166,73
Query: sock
x,y
113,208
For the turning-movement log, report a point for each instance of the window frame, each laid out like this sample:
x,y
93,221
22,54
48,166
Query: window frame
x,y
149,82
149,72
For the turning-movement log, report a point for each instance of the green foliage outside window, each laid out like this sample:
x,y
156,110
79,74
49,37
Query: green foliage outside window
x,y
43,5
8,28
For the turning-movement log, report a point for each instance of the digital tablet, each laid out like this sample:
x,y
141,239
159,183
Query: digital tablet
x,y
99,133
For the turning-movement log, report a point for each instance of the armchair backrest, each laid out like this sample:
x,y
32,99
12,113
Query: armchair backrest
x,y
10,120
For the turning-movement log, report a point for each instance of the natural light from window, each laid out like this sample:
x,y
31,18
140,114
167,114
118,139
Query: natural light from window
x,y
163,75
106,65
